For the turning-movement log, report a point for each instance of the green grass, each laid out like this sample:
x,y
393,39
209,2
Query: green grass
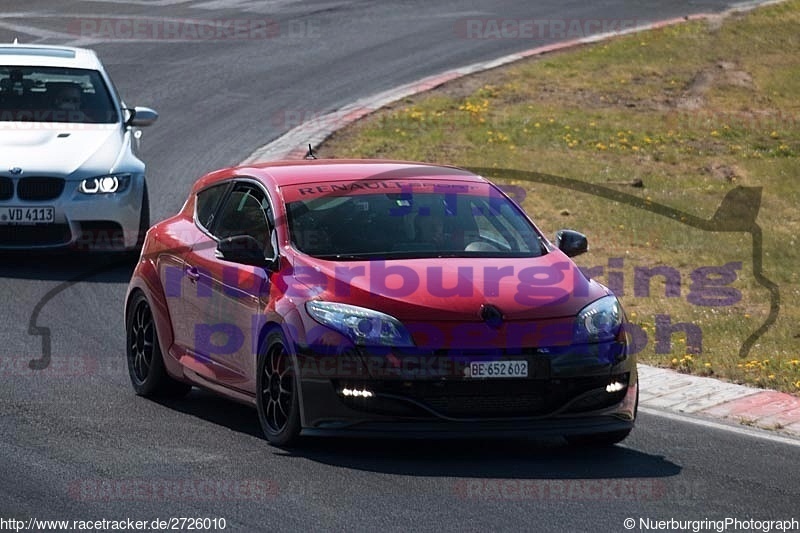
x,y
693,111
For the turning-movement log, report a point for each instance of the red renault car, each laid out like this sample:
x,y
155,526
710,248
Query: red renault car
x,y
378,298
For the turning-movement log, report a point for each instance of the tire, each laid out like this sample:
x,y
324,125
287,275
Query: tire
x,y
277,393
144,219
145,362
132,254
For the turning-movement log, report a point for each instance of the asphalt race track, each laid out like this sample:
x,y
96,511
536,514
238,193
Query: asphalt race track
x,y
76,443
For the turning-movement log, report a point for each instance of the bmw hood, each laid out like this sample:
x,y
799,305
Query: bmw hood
x,y
62,152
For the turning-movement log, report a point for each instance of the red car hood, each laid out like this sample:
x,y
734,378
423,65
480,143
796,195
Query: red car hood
x,y
453,289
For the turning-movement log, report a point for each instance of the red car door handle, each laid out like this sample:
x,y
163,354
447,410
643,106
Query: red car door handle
x,y
192,273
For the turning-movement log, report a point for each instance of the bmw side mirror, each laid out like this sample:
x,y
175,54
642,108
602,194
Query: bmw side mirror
x,y
141,117
243,249
571,242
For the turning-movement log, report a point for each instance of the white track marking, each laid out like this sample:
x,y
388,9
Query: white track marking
x,y
739,430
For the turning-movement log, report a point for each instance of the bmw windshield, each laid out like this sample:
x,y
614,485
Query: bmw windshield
x,y
54,94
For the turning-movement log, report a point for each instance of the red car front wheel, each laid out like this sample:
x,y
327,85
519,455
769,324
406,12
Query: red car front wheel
x,y
277,398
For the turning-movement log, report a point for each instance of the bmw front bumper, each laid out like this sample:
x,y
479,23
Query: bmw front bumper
x,y
81,221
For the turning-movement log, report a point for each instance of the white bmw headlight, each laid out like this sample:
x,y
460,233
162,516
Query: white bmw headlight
x,y
361,325
105,184
599,321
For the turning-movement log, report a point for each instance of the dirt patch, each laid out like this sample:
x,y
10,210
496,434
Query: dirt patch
x,y
729,173
694,93
723,73
468,85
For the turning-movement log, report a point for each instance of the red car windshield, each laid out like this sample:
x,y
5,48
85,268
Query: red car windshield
x,y
394,225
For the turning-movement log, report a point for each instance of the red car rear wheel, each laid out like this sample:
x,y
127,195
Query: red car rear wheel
x,y
145,363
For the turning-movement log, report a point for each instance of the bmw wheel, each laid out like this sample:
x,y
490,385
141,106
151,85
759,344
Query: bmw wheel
x,y
145,362
277,393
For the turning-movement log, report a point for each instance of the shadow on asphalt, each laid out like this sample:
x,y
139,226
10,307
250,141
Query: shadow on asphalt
x,y
71,268
513,459
217,410
551,459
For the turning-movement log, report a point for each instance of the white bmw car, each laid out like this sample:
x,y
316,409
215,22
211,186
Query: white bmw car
x,y
69,177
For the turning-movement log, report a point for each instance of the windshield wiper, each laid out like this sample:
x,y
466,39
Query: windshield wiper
x,y
345,257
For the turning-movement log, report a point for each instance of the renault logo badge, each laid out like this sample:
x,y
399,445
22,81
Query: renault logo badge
x,y
491,315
